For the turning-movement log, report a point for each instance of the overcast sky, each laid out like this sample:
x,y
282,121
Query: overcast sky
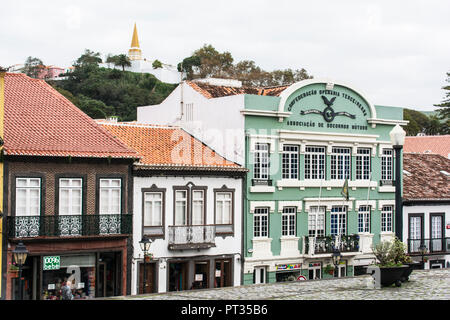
x,y
395,52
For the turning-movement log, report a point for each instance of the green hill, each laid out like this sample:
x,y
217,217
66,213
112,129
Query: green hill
x,y
102,92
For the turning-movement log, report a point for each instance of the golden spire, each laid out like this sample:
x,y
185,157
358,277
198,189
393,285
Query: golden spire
x,y
135,52
135,41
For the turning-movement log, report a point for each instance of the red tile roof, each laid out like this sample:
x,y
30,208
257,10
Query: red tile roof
x,y
428,144
425,178
39,121
214,91
167,146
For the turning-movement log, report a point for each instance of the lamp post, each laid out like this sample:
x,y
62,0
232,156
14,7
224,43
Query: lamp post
x,y
398,139
20,253
145,247
423,250
336,260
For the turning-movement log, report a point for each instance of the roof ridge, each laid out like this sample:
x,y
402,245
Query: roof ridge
x,y
137,125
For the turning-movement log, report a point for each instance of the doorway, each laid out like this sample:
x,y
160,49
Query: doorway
x,y
149,278
315,271
178,276
108,273
259,275
222,276
201,275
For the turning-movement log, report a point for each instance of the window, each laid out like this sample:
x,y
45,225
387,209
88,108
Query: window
x,y
290,162
316,222
224,208
340,163
261,161
28,196
386,218
70,196
363,164
261,222
364,219
386,164
180,207
288,221
315,163
153,202
338,220
198,205
415,232
110,196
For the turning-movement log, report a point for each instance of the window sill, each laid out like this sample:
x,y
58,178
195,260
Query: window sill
x,y
262,189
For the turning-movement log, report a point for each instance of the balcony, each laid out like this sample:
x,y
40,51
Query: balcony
x,y
192,237
69,225
436,245
325,245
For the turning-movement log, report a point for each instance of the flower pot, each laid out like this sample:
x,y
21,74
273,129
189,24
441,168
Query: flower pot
x,y
14,273
409,270
147,258
391,275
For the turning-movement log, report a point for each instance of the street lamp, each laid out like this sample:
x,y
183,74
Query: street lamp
x,y
145,247
423,250
336,260
398,140
20,254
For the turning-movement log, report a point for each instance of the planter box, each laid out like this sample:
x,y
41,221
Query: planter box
x,y
409,270
389,276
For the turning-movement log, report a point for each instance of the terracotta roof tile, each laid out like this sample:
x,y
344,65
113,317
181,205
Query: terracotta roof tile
x,y
214,91
425,177
164,145
428,144
39,121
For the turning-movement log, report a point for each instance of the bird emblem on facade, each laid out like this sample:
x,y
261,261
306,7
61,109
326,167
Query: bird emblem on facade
x,y
328,113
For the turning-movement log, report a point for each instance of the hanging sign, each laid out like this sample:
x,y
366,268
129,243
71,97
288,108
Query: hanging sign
x,y
51,263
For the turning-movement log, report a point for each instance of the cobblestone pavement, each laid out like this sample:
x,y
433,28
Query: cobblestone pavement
x,y
422,285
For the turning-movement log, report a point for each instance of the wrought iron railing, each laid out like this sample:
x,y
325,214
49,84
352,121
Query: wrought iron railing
x,y
69,225
432,245
327,244
186,236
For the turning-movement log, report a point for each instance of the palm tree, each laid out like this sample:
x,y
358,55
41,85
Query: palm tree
x,y
122,60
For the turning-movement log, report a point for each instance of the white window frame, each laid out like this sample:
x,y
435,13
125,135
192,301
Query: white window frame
x,y
261,222
288,222
341,163
153,204
290,162
198,203
316,221
108,185
363,163
315,162
222,202
29,189
387,162
387,214
71,188
339,227
181,201
261,164
364,219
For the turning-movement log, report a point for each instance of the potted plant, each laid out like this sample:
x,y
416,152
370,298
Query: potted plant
x,y
391,258
13,270
148,257
399,256
329,269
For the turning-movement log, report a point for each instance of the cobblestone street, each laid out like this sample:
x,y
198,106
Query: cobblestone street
x,y
422,285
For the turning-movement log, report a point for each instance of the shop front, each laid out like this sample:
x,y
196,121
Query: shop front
x,y
91,273
288,272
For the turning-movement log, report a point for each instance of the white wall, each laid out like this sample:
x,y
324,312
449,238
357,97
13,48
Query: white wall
x,y
230,245
222,131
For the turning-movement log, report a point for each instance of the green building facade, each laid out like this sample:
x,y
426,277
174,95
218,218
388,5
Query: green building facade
x,y
304,149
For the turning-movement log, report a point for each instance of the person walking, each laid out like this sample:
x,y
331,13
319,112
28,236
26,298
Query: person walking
x,y
66,291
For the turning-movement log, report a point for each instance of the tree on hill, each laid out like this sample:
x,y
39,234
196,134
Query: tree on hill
x,y
33,67
89,58
208,62
122,60
444,111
